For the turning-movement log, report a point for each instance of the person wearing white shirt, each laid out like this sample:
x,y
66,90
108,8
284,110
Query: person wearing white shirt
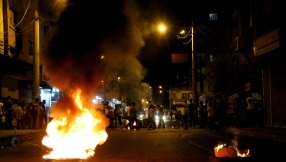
x,y
184,116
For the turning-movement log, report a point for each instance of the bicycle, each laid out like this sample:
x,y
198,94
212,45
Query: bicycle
x,y
179,122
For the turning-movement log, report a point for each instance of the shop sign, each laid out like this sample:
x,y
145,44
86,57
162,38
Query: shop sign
x,y
266,43
180,57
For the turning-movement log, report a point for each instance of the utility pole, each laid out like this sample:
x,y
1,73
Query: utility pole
x,y
36,58
194,70
5,26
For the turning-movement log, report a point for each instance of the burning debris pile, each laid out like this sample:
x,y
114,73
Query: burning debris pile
x,y
224,150
75,133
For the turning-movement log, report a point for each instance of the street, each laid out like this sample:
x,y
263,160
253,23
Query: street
x,y
121,145
167,144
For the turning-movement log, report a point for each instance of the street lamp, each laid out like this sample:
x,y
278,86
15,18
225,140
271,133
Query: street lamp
x,y
194,70
162,28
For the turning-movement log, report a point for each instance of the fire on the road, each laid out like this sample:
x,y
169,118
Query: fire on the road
x,y
75,134
223,150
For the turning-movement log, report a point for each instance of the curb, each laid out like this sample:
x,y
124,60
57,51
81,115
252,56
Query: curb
x,y
273,137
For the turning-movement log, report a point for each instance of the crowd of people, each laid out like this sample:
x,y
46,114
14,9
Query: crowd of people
x,y
212,114
28,116
130,115
152,111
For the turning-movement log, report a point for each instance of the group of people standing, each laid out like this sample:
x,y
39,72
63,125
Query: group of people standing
x,y
203,116
114,115
117,114
31,116
152,111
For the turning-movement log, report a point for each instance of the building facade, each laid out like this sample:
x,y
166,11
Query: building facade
x,y
17,47
258,39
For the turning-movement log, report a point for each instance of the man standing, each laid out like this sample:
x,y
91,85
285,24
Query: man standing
x,y
161,114
151,124
184,116
1,113
250,111
192,113
35,113
211,115
18,115
45,112
8,113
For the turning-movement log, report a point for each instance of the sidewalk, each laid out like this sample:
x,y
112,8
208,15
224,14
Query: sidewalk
x,y
20,132
270,133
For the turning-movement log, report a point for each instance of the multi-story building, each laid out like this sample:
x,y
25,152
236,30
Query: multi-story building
x,y
210,28
258,39
17,47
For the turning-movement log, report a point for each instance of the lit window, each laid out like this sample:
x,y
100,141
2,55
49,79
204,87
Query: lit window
x,y
213,16
185,95
211,58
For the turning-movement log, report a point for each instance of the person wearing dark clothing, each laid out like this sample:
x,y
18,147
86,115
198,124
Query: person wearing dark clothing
x,y
133,115
8,113
201,115
192,114
110,115
45,112
211,114
1,113
118,115
161,120
151,115
35,113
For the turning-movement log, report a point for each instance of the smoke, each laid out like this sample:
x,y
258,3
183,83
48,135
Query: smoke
x,y
88,30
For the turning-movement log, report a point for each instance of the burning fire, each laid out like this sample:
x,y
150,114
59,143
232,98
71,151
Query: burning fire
x,y
223,150
75,136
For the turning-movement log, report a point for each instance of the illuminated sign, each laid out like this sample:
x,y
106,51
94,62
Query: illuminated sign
x,y
180,57
266,43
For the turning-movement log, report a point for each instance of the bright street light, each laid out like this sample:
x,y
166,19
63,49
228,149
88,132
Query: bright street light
x,y
162,28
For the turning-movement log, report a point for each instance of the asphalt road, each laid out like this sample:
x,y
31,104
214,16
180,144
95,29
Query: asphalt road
x,y
121,145
149,145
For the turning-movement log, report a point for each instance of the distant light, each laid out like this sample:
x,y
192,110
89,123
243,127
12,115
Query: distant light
x,y
102,57
102,81
162,28
160,86
160,91
182,32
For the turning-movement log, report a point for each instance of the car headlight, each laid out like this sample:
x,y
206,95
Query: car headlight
x,y
156,117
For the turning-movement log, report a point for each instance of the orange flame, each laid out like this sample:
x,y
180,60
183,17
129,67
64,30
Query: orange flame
x,y
75,136
220,146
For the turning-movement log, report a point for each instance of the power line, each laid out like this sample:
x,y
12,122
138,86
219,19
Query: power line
x,y
23,30
24,14
211,30
204,33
